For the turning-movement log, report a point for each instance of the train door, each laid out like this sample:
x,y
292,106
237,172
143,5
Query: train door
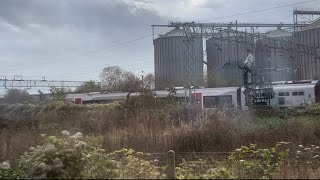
x,y
239,98
317,92
77,101
197,97
284,99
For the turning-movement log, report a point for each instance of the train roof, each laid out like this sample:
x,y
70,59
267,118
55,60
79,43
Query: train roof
x,y
100,96
285,85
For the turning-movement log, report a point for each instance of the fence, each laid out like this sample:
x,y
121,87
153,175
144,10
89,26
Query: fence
x,y
195,164
199,163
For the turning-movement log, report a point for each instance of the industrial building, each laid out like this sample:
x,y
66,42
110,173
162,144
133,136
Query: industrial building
x,y
287,52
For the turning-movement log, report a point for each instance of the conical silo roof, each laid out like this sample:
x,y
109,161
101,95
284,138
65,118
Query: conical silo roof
x,y
173,33
278,33
314,25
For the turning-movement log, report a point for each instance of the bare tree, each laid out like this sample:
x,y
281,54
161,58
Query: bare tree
x,y
89,86
149,80
17,96
114,78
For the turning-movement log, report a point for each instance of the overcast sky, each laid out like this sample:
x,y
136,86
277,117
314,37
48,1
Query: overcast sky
x,y
75,39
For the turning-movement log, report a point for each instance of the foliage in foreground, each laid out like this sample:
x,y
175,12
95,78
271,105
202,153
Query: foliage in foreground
x,y
65,158
69,157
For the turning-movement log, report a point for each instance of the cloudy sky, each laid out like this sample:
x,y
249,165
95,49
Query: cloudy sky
x,y
75,39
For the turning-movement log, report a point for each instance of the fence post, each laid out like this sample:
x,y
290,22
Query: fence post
x,y
171,174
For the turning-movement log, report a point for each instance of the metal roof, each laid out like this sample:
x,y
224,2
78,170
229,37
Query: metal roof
x,y
314,25
278,33
174,33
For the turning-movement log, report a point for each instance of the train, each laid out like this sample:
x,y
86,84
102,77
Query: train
x,y
287,94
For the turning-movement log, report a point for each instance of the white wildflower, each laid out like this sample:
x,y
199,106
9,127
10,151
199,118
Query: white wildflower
x,y
300,146
65,133
316,156
307,149
78,136
80,144
298,152
5,165
50,148
57,163
71,139
42,166
242,161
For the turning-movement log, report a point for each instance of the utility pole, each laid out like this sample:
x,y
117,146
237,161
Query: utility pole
x,y
142,86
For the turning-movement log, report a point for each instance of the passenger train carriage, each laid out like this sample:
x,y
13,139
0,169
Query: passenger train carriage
x,y
287,94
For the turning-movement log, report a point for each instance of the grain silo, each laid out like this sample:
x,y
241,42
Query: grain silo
x,y
225,53
307,62
170,60
274,57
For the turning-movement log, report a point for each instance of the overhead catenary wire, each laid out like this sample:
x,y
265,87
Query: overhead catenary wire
x,y
259,10
71,58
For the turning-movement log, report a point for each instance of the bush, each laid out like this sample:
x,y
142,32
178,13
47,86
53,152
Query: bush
x,y
66,158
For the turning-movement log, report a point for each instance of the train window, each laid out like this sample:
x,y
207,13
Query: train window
x,y
209,101
294,93
282,100
310,96
284,94
301,93
217,101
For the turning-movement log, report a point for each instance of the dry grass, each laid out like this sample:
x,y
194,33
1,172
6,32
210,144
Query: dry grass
x,y
116,127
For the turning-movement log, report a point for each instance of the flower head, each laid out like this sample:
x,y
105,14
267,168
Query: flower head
x,y
5,165
78,136
65,133
298,152
43,166
50,148
80,144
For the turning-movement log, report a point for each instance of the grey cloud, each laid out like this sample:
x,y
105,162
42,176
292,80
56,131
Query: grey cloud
x,y
88,15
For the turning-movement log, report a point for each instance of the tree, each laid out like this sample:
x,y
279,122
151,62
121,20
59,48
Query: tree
x,y
149,81
58,94
89,86
17,96
114,78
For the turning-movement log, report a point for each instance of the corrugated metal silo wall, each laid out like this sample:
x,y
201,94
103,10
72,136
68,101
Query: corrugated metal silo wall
x,y
273,59
307,64
222,50
170,61
262,59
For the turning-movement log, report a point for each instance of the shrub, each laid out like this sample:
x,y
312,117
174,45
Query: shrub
x,y
66,158
133,165
252,162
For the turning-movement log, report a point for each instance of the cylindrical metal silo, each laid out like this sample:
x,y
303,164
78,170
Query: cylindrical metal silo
x,y
308,62
170,60
280,55
263,59
225,53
